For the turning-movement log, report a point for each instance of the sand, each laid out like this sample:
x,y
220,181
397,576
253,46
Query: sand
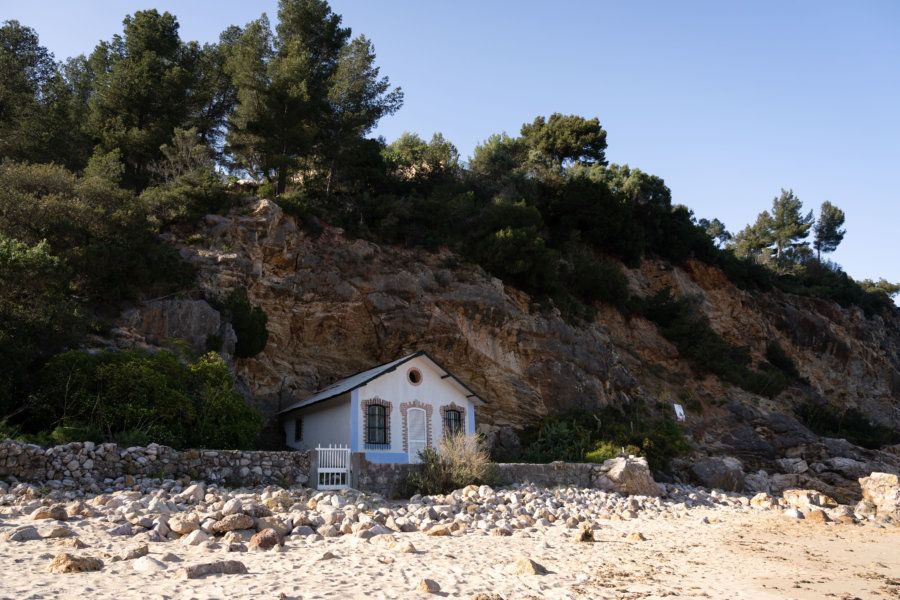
x,y
707,553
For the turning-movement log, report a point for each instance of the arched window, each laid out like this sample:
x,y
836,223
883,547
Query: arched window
x,y
452,422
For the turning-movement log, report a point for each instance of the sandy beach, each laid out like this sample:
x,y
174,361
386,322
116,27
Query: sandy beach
x,y
711,547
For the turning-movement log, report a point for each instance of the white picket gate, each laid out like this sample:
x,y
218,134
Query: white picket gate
x,y
333,468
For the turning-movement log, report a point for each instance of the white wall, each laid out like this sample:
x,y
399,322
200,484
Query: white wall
x,y
324,423
395,388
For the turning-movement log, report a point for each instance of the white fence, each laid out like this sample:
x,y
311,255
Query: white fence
x,y
333,472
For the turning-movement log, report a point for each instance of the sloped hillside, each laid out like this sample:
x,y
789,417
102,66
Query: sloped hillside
x,y
337,306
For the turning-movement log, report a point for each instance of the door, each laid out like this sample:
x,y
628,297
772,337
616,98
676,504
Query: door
x,y
415,437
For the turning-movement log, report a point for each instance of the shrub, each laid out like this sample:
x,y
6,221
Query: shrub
x,y
459,460
582,436
828,420
134,397
248,321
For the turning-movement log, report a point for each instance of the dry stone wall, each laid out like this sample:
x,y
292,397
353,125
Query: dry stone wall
x,y
87,463
96,466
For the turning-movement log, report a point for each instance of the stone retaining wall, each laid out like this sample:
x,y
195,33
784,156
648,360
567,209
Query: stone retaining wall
x,y
86,462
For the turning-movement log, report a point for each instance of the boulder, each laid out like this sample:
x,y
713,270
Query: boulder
x,y
184,523
266,539
628,476
881,490
50,512
225,567
720,472
71,563
233,522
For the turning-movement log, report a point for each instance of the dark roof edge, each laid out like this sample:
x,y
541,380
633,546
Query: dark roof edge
x,y
379,372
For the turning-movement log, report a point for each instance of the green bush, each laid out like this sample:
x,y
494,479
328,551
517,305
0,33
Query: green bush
x,y
248,321
582,436
828,420
135,397
459,460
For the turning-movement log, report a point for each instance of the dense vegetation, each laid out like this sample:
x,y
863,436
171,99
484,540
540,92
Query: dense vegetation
x,y
103,151
581,436
850,424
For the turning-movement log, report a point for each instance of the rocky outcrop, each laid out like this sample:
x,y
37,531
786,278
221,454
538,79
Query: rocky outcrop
x,y
337,306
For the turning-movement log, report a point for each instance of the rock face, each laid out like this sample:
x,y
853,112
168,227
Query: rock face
x,y
337,306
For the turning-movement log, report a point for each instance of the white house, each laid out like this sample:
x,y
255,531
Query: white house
x,y
390,412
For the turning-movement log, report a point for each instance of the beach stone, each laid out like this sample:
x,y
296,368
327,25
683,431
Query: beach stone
x,y
148,564
233,506
72,542
404,547
482,596
234,547
55,531
195,538
184,523
327,555
328,531
635,536
428,586
25,533
225,567
170,557
762,500
438,530
807,498
280,525
233,522
50,512
881,490
125,529
585,535
71,563
193,494
817,516
132,553
526,566
303,531
266,538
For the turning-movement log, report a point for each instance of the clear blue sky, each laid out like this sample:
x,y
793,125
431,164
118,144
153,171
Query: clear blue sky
x,y
727,101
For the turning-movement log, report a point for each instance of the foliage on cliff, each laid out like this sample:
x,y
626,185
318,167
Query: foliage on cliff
x,y
134,397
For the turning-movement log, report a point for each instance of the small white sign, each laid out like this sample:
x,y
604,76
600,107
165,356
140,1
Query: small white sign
x,y
679,412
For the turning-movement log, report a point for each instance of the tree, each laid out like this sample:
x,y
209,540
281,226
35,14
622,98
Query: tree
x,y
282,86
828,232
555,143
357,99
881,286
141,91
753,239
34,98
715,229
788,224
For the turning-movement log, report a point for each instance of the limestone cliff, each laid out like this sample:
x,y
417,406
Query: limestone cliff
x,y
338,306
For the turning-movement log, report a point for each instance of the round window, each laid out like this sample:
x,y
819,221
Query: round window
x,y
414,376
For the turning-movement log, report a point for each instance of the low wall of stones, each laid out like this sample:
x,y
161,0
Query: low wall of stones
x,y
582,475
86,464
83,463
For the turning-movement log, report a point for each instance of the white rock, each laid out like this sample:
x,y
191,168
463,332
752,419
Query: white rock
x,y
149,564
